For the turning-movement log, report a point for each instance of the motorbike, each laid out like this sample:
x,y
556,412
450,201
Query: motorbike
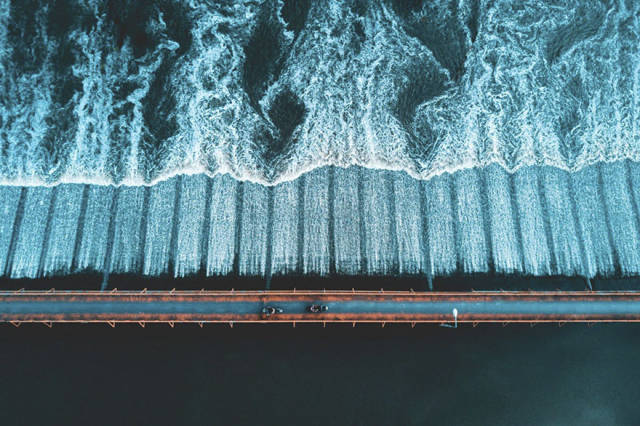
x,y
271,310
316,309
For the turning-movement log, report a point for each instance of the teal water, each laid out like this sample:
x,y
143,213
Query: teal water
x,y
309,375
136,92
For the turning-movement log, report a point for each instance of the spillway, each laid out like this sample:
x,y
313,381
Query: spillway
x,y
332,221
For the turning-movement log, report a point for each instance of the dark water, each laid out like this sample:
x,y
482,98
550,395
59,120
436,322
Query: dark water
x,y
310,375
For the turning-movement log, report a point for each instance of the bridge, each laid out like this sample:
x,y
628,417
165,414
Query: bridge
x,y
352,307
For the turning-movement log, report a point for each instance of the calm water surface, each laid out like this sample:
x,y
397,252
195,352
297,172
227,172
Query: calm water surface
x,y
310,375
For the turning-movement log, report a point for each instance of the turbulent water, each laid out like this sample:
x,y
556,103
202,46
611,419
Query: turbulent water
x,y
118,91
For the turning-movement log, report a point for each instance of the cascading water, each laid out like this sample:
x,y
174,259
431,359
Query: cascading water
x,y
517,123
133,92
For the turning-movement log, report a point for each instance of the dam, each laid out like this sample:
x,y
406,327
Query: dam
x,y
319,212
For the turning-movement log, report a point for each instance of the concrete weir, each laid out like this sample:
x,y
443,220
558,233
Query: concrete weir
x,y
538,221
332,307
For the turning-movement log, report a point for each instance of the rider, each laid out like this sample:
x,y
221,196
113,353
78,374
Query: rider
x,y
318,308
271,310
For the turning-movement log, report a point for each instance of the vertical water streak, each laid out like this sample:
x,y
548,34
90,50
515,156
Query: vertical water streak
x,y
269,237
592,222
347,220
285,228
64,228
206,226
489,236
237,235
424,236
499,216
316,227
631,170
515,218
535,254
225,225
456,233
586,269
190,222
301,184
142,238
567,254
441,225
546,220
175,218
393,260
81,225
127,238
94,241
362,221
253,244
377,221
110,237
634,176
159,227
47,231
408,224
331,219
605,210
619,205
471,245
10,217
31,237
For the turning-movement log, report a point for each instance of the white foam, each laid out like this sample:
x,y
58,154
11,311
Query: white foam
x,y
527,95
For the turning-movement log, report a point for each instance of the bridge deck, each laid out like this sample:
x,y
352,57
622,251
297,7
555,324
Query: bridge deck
x,y
344,306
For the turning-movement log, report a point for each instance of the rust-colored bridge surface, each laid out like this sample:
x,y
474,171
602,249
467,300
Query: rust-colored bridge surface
x,y
293,307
